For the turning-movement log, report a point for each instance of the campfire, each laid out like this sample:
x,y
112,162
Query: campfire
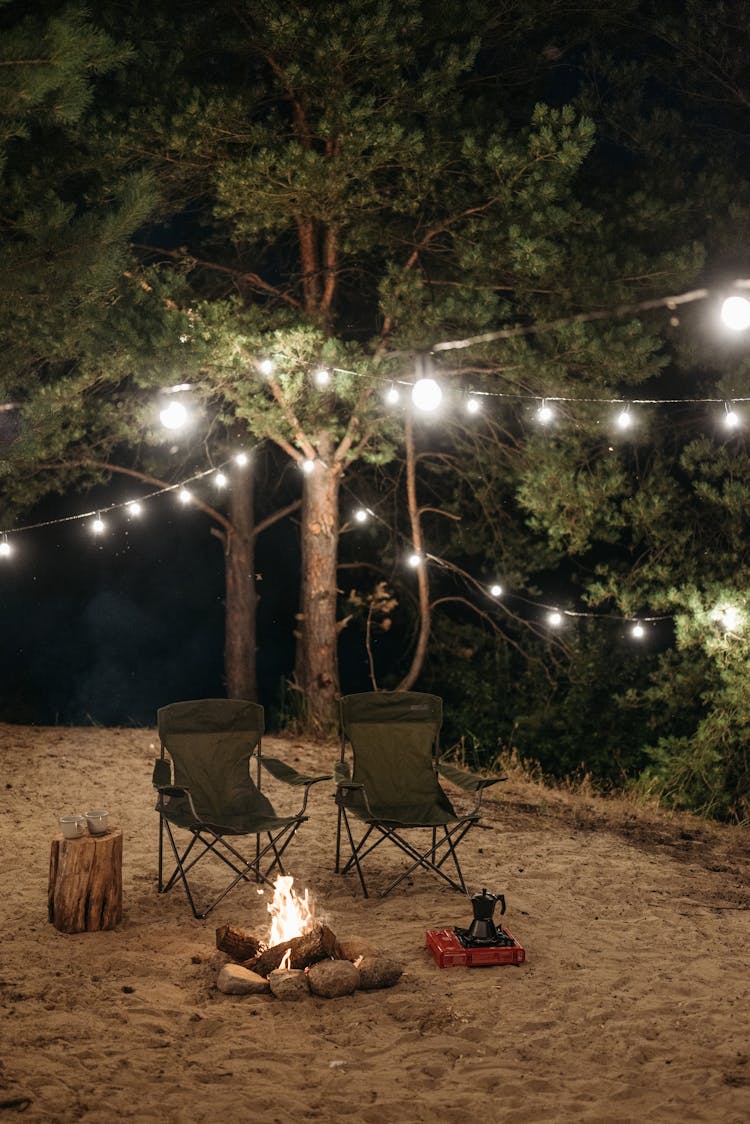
x,y
301,954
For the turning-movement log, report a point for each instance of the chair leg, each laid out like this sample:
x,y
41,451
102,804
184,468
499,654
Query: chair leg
x,y
160,875
428,859
180,870
338,841
355,852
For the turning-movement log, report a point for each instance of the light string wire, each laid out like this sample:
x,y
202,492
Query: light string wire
x,y
669,302
485,588
442,563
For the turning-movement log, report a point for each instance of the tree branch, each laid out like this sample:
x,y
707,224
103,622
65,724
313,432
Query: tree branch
x,y
237,274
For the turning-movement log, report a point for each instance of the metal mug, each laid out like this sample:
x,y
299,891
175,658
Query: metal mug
x,y
97,821
72,826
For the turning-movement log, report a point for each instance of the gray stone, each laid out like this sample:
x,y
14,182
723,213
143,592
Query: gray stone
x,y
333,978
288,983
236,980
378,971
354,947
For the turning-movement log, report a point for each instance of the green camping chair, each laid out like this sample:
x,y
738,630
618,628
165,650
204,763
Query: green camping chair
x,y
213,796
392,787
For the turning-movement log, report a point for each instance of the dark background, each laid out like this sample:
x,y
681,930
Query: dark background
x,y
105,629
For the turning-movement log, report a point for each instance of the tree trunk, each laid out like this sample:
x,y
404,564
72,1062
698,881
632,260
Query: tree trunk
x,y
316,668
423,584
241,599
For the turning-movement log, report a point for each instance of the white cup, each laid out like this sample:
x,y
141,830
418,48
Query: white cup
x,y
97,821
72,826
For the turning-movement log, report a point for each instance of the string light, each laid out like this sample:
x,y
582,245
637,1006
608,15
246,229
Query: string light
x,y
174,416
266,367
624,419
241,459
5,548
185,496
98,525
545,414
731,417
220,480
728,616
361,515
307,466
392,396
554,619
134,508
414,560
735,313
638,631
426,395
496,590
473,405
322,376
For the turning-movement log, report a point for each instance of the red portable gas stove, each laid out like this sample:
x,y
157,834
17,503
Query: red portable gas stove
x,y
482,944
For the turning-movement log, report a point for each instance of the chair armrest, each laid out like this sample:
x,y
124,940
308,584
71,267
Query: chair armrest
x,y
342,792
469,782
283,772
280,771
341,772
176,790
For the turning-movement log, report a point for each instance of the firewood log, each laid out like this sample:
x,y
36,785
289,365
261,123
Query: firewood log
x,y
319,944
237,943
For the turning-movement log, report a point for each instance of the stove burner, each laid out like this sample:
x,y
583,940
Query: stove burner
x,y
499,940
483,943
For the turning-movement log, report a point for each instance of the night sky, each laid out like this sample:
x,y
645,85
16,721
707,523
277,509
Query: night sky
x,y
105,630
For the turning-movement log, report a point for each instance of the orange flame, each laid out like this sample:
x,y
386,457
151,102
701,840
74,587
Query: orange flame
x,y
286,960
291,916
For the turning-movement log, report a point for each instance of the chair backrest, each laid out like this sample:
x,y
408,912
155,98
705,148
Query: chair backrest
x,y
210,742
394,737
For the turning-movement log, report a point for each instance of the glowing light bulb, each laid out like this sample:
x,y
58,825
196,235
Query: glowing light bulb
x,y
496,590
473,405
638,631
426,394
5,548
414,560
545,414
134,508
322,377
174,416
98,525
266,367
728,616
307,466
220,480
554,619
184,496
735,313
731,418
624,419
392,396
241,459
360,515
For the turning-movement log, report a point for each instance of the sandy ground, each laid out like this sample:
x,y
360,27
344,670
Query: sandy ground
x,y
633,1003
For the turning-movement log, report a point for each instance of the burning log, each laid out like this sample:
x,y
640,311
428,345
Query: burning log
x,y
318,944
237,943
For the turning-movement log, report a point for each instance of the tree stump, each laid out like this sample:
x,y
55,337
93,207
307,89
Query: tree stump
x,y
85,882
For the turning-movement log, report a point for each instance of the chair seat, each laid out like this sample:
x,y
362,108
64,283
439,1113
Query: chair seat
x,y
439,821
246,827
